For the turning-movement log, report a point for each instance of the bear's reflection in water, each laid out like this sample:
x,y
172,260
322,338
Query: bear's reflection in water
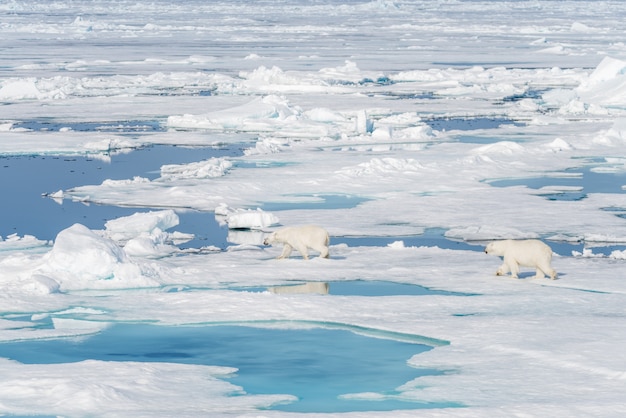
x,y
309,287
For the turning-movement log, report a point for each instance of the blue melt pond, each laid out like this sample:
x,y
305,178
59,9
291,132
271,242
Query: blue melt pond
x,y
317,365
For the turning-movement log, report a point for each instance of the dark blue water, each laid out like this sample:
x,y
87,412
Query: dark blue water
x,y
587,180
44,124
317,365
26,178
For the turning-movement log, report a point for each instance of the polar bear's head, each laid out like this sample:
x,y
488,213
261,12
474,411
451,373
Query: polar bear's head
x,y
270,239
496,248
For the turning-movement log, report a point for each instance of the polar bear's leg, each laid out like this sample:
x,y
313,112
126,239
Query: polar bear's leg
x,y
303,250
513,266
286,251
514,270
322,249
502,270
544,269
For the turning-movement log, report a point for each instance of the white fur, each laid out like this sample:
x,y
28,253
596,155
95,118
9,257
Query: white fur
x,y
528,253
300,238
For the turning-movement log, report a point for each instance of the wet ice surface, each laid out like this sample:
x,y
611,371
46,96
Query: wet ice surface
x,y
402,128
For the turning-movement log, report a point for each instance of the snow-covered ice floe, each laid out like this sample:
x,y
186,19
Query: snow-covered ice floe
x,y
331,98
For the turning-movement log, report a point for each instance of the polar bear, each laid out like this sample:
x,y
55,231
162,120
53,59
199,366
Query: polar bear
x,y
300,238
528,253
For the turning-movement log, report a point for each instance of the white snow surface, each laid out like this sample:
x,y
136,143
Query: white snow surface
x,y
331,98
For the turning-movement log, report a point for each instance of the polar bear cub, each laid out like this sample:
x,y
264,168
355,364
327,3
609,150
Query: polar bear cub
x,y
528,253
301,238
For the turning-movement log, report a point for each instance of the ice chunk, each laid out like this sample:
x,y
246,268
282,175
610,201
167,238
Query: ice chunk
x,y
486,232
14,242
363,124
135,180
110,144
251,219
618,255
608,69
79,251
81,259
143,235
19,89
605,87
579,27
559,145
152,245
128,227
214,167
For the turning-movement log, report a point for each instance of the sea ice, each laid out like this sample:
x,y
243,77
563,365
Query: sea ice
x,y
322,98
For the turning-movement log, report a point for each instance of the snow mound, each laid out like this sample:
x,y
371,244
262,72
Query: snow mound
x,y
500,148
80,258
383,166
558,145
259,114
